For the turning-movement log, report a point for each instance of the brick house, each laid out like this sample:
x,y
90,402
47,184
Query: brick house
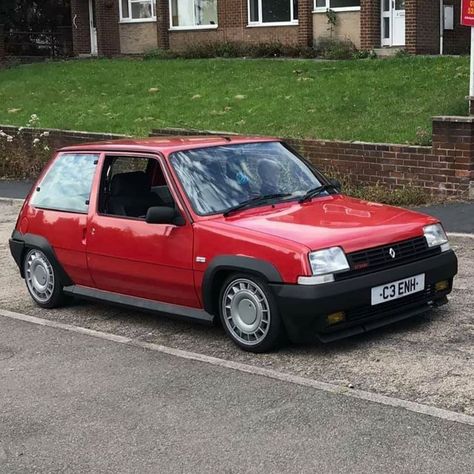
x,y
111,27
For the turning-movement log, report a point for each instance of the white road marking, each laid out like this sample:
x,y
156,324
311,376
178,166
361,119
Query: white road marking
x,y
273,374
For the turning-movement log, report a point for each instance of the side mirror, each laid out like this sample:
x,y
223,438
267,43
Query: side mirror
x,y
336,183
163,215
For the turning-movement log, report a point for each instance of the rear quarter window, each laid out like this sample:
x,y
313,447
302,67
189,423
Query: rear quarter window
x,y
67,184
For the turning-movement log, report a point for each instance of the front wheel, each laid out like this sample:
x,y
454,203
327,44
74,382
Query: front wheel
x,y
249,313
42,280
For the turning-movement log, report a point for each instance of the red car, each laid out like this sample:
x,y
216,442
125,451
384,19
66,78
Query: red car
x,y
238,229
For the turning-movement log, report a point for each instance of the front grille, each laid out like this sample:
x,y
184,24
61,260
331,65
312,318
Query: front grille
x,y
417,299
380,258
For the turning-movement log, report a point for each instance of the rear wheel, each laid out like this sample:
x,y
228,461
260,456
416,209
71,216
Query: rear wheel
x,y
42,280
249,313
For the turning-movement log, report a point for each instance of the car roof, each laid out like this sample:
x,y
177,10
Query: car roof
x,y
165,144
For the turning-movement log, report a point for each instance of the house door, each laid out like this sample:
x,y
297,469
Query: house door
x,y
393,22
93,27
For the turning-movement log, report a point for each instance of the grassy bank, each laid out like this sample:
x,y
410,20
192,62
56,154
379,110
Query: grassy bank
x,y
370,100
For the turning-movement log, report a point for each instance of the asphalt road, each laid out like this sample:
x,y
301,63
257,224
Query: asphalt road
x,y
75,403
456,217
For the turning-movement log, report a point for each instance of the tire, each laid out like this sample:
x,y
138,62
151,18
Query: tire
x,y
42,280
249,313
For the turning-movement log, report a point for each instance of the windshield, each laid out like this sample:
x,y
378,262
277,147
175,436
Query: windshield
x,y
219,178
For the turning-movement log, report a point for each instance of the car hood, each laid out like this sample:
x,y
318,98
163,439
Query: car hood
x,y
330,221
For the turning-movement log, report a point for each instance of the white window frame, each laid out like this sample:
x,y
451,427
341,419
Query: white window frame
x,y
260,23
137,20
336,9
189,27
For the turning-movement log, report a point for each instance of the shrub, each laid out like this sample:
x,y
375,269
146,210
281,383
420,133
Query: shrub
x,y
404,196
423,137
331,48
326,48
233,49
24,154
402,53
158,53
364,54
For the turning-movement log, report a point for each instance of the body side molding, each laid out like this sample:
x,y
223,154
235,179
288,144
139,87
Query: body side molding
x,y
135,302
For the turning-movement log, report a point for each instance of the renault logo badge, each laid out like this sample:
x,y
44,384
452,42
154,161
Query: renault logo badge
x,y
392,253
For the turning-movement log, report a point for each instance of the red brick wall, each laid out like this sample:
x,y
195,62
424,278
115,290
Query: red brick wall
x,y
163,23
108,33
81,37
446,168
370,24
305,20
422,26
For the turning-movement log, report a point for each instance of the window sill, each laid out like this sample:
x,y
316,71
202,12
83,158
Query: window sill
x,y
340,9
266,25
138,20
193,28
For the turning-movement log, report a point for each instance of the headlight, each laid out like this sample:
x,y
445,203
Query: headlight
x,y
435,236
324,263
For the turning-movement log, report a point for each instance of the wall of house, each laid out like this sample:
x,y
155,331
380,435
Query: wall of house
x,y
136,38
81,36
347,27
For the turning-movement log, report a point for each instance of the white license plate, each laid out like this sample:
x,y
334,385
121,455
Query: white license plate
x,y
398,289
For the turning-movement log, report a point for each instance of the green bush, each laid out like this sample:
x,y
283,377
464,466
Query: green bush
x,y
404,196
158,53
331,48
327,48
233,49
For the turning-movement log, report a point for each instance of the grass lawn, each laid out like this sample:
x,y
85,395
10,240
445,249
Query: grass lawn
x,y
370,100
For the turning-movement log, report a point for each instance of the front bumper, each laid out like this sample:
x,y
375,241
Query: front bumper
x,y
304,308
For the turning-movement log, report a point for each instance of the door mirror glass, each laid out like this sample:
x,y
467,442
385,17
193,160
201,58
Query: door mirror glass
x,y
163,215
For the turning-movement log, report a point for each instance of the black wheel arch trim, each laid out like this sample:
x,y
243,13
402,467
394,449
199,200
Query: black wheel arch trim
x,y
236,263
20,242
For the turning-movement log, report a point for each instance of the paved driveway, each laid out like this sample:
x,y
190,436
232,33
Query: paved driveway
x,y
75,403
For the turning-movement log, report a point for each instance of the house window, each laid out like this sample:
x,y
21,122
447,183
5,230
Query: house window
x,y
138,10
341,5
265,12
190,14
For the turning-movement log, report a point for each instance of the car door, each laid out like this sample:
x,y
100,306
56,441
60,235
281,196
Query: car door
x,y
58,210
127,255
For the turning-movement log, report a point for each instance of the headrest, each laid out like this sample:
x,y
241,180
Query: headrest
x,y
129,184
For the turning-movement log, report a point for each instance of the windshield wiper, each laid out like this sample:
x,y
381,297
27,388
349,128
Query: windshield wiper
x,y
254,201
316,191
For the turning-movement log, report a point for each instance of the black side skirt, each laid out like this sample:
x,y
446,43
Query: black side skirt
x,y
142,304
